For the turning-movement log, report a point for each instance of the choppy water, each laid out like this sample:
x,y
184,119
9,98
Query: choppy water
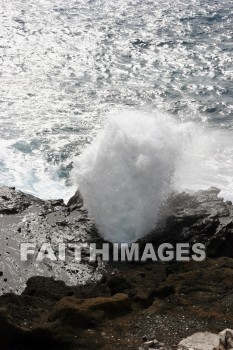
x,y
67,64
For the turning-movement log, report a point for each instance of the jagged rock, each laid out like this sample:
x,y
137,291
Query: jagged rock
x,y
57,202
86,312
76,200
199,341
12,201
27,219
201,291
225,340
201,217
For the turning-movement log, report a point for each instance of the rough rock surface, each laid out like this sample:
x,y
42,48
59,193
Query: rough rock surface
x,y
225,340
201,217
199,341
13,202
162,301
158,301
74,312
26,219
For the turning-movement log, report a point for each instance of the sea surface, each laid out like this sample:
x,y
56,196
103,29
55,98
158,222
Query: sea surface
x,y
67,65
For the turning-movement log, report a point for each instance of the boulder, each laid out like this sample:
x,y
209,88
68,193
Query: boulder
x,y
199,341
225,340
79,313
200,217
47,288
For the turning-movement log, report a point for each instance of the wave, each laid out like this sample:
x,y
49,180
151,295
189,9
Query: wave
x,y
138,159
29,171
127,171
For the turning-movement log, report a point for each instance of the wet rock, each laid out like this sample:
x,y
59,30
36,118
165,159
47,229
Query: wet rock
x,y
199,341
201,217
26,219
57,202
76,200
12,202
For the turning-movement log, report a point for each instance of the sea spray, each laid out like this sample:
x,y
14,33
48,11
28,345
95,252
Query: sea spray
x,y
206,161
126,172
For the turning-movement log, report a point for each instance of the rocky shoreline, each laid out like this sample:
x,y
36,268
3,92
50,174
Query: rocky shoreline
x,y
120,306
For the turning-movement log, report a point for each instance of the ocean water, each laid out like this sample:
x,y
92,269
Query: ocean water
x,y
68,66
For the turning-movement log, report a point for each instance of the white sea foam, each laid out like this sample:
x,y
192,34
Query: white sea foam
x,y
127,170
207,161
31,173
138,159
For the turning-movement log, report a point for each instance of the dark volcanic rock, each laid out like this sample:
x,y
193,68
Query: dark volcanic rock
x,y
12,201
74,312
14,337
26,219
198,298
76,200
47,288
178,299
201,217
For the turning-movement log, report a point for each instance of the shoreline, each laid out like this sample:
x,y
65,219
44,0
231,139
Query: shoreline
x,y
116,303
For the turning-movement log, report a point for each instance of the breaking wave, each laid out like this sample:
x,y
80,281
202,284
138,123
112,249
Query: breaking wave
x,y
125,173
137,159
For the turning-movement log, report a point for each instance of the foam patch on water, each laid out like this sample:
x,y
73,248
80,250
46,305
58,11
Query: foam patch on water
x,y
31,173
125,173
